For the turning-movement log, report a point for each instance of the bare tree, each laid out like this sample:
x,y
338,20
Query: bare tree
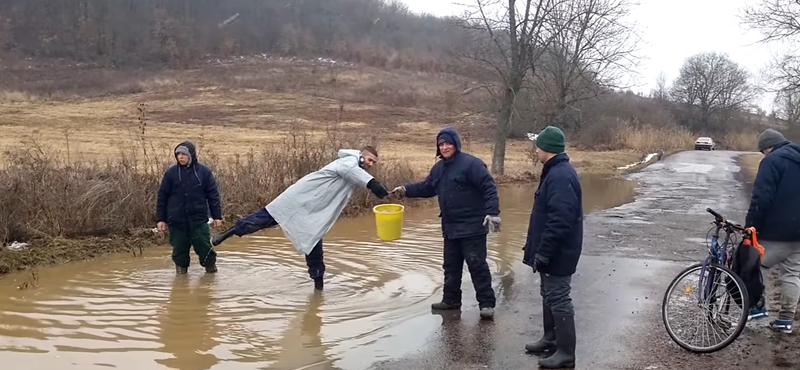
x,y
660,92
787,108
592,50
508,38
713,86
776,19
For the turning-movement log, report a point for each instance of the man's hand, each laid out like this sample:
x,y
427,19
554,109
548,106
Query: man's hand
x,y
400,191
539,261
216,223
377,188
494,221
162,226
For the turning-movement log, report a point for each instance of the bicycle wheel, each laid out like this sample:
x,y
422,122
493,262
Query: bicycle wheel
x,y
711,319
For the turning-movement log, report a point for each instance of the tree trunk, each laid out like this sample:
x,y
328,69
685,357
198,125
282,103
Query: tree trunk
x,y
501,134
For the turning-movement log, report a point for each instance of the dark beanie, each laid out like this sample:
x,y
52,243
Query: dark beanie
x,y
446,137
551,140
769,138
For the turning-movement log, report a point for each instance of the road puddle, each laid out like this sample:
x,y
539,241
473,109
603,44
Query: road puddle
x,y
260,310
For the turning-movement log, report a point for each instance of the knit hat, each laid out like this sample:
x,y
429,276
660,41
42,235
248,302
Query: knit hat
x,y
445,137
769,138
184,150
551,140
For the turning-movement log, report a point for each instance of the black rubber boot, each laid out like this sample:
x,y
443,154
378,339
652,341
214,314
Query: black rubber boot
x,y
442,306
564,357
547,344
318,283
219,238
181,270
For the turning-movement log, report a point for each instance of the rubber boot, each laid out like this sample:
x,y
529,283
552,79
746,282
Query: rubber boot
x,y
219,238
318,283
181,270
210,269
547,344
564,357
442,306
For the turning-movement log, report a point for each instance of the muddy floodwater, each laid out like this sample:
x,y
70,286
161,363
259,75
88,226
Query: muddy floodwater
x,y
260,310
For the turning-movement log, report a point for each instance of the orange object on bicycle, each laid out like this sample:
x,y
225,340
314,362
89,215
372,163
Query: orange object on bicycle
x,y
752,240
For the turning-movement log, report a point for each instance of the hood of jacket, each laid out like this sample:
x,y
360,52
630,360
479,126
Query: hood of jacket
x,y
453,134
788,150
192,152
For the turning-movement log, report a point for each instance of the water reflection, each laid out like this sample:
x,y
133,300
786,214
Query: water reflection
x,y
260,310
187,330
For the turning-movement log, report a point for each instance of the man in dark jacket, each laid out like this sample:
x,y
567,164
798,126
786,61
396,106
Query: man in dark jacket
x,y
468,203
553,247
187,193
775,213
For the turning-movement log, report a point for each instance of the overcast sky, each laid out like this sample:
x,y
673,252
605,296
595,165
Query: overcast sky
x,y
672,30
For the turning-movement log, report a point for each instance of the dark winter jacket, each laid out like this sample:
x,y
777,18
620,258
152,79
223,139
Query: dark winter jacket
x,y
556,226
188,194
466,191
775,204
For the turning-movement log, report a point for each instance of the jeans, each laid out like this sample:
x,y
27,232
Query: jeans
x,y
555,292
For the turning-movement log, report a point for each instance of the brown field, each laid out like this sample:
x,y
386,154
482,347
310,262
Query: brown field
x,y
229,111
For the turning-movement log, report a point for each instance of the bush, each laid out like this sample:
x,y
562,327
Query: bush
x,y
46,196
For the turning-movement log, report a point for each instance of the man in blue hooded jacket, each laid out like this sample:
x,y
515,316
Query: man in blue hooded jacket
x,y
188,192
468,203
775,213
553,247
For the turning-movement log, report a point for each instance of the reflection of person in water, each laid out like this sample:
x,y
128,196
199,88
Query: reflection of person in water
x,y
187,331
301,345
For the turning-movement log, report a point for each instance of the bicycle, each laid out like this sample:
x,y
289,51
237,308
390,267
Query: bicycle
x,y
717,310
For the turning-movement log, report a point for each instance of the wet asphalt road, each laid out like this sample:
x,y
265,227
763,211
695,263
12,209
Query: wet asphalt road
x,y
631,253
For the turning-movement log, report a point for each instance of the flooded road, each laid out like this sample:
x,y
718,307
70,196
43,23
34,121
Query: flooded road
x,y
260,310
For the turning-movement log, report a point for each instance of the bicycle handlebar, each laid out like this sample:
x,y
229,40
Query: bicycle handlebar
x,y
721,220
715,214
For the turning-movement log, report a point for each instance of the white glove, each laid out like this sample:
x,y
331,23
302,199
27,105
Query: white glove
x,y
399,191
494,221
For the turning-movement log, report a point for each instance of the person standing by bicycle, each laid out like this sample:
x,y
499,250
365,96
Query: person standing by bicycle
x,y
553,247
775,213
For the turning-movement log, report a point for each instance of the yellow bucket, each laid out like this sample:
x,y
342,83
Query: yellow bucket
x,y
389,221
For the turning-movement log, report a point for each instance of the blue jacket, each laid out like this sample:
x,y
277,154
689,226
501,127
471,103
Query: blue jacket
x,y
188,194
775,204
466,191
556,226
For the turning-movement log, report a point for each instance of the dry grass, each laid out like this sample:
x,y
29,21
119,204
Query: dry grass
x,y
744,141
86,165
749,163
650,139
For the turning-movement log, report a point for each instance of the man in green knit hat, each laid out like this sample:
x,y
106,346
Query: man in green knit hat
x,y
553,247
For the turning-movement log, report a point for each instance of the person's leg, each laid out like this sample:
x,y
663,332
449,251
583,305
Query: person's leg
x,y
774,254
247,225
179,239
790,287
453,266
474,251
200,239
547,343
557,295
316,265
